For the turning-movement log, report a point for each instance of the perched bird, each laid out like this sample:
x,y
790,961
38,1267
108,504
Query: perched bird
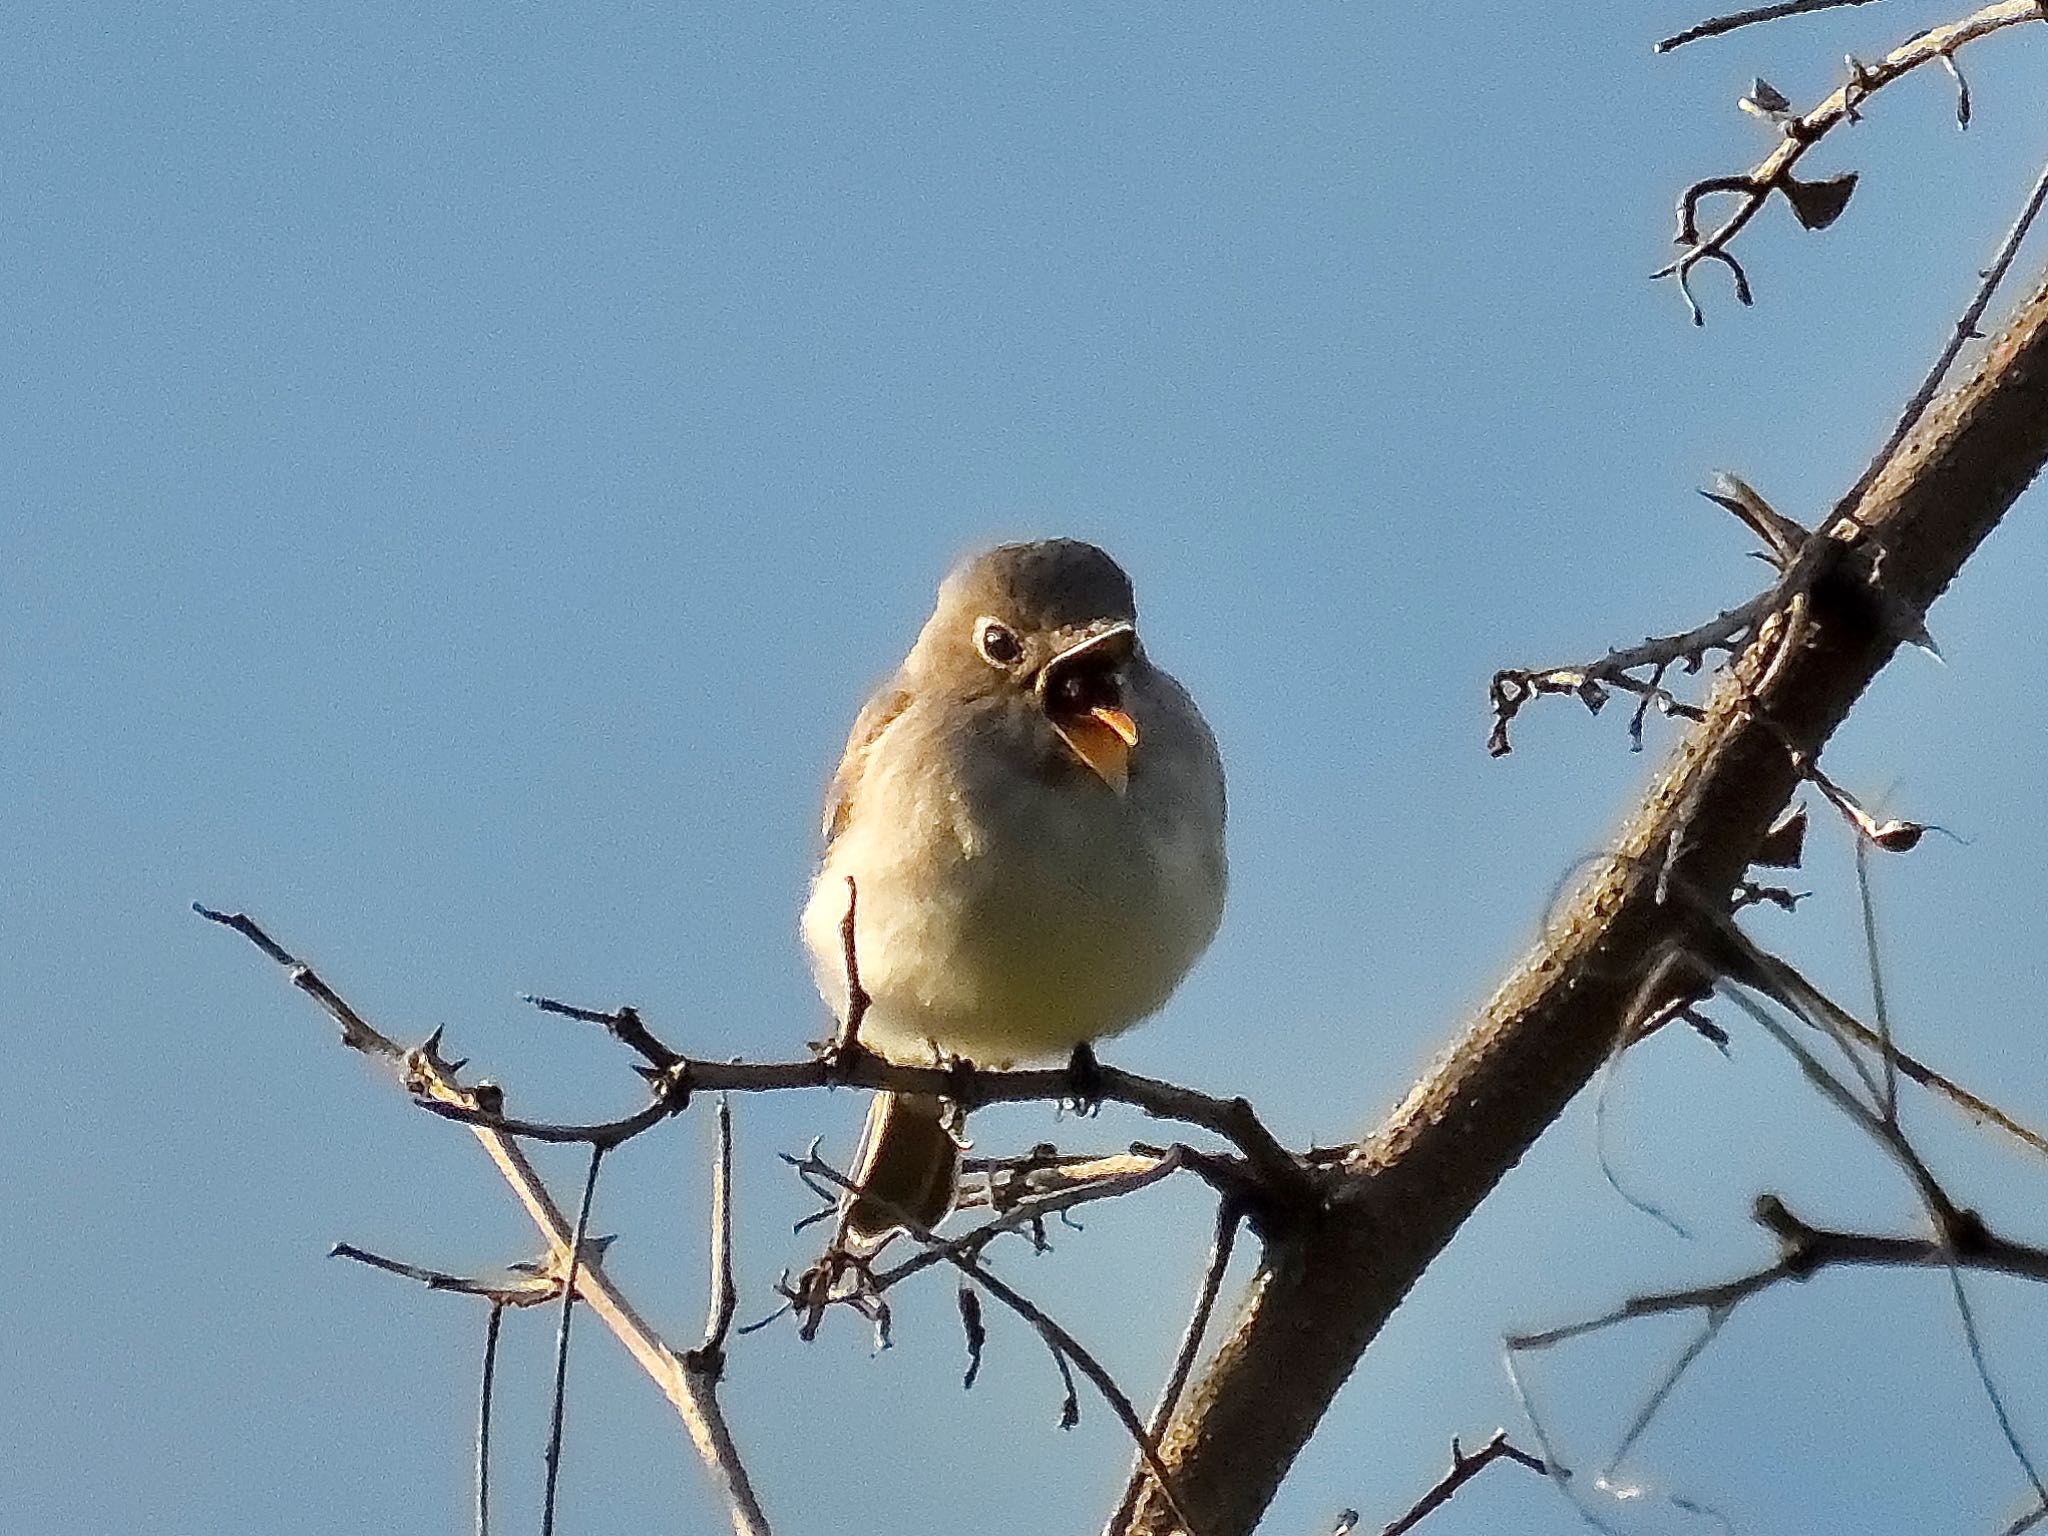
x,y
1031,814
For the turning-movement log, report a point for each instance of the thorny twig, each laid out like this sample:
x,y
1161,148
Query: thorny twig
x,y
525,1284
1227,1219
492,1326
1590,682
1128,1176
1718,25
1964,332
1802,559
1462,1470
1281,1176
1795,553
426,1074
709,1356
1960,1239
1803,1251
558,1404
622,1024
1278,1180
1816,203
1957,1232
1067,1351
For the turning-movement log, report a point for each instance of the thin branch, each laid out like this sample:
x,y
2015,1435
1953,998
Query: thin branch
x,y
623,1024
1800,560
1710,1329
1964,332
1463,1469
1880,1008
999,1184
425,1072
1818,203
2026,1522
1065,1348
1955,1230
1911,1067
604,1134
725,1298
519,1285
492,1325
558,1405
1804,1250
1285,1177
1220,1245
1127,1177
1719,25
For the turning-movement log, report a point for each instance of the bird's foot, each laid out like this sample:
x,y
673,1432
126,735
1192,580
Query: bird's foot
x,y
841,1055
1084,1080
961,1071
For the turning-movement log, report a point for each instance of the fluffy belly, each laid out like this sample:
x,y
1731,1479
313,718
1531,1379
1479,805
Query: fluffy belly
x,y
1006,959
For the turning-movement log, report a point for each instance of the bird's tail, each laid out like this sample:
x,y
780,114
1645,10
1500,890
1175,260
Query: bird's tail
x,y
908,1165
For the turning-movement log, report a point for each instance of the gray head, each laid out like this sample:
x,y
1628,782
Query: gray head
x,y
1053,621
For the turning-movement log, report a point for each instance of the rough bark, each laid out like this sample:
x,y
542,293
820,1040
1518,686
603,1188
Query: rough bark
x,y
1325,1289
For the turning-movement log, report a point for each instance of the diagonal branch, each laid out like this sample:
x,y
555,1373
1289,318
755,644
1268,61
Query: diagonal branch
x,y
1326,1288
1817,204
1720,25
1279,1178
1462,1470
424,1073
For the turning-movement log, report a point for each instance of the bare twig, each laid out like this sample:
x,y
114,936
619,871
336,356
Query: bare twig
x,y
1283,1177
1126,1176
1004,1182
725,1298
518,1285
1804,1250
1916,1070
1462,1470
1220,1246
1590,682
1964,332
670,1097
1719,25
1817,203
1800,559
1956,1231
623,1024
974,1328
425,1072
558,1404
492,1325
1880,1009
1066,1349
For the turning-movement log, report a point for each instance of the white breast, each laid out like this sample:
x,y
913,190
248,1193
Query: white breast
x,y
1010,915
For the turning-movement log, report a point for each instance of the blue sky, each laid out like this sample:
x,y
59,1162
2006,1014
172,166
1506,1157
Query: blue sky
x,y
460,469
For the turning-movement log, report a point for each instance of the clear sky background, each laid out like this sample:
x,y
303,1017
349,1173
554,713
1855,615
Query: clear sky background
x,y
461,468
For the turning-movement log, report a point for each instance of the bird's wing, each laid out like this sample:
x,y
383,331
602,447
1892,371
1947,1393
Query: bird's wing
x,y
875,717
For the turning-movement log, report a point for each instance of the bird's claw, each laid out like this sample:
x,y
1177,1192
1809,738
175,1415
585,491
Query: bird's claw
x,y
1084,1080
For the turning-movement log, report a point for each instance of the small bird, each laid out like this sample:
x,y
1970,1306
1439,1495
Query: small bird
x,y
1031,816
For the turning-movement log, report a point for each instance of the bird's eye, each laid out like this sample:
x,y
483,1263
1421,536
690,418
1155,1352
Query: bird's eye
x,y
998,643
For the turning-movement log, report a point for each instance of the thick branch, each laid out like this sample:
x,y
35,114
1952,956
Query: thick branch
x,y
1327,1287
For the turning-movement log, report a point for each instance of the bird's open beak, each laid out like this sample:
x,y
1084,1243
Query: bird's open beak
x,y
1083,696
1103,739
